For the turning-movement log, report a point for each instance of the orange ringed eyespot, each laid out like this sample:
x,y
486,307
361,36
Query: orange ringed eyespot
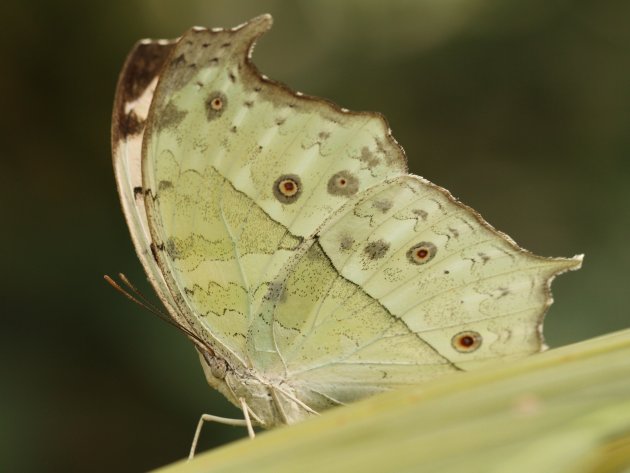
x,y
466,342
287,188
215,105
421,253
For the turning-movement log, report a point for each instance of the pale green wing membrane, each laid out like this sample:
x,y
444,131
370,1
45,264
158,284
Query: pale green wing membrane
x,y
238,170
402,284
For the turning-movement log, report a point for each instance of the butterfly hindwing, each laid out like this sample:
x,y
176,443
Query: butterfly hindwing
x,y
404,283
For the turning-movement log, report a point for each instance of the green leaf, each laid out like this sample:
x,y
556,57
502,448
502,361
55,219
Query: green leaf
x,y
565,410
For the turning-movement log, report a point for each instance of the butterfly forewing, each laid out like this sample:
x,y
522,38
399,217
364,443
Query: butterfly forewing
x,y
238,170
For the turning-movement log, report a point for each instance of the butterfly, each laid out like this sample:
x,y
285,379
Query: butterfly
x,y
287,239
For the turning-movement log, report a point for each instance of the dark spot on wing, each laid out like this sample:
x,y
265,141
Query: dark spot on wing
x,y
368,157
376,249
421,213
178,61
383,205
343,183
275,292
130,125
346,242
174,248
164,185
170,116
216,103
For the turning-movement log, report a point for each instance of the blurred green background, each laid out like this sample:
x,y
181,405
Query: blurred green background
x,y
521,109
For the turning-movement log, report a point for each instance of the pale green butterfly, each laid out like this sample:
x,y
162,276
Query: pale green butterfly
x,y
285,236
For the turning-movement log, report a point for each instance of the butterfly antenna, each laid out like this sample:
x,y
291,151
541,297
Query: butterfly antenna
x,y
132,298
142,301
141,296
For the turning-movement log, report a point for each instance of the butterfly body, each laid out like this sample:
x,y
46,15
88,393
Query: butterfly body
x,y
286,238
273,401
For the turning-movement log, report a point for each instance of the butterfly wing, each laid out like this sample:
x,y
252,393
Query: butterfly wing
x,y
402,284
221,147
134,93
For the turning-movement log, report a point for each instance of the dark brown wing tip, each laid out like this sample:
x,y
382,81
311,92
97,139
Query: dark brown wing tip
x,y
144,62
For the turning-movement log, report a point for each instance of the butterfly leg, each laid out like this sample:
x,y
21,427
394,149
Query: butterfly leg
x,y
248,421
219,420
